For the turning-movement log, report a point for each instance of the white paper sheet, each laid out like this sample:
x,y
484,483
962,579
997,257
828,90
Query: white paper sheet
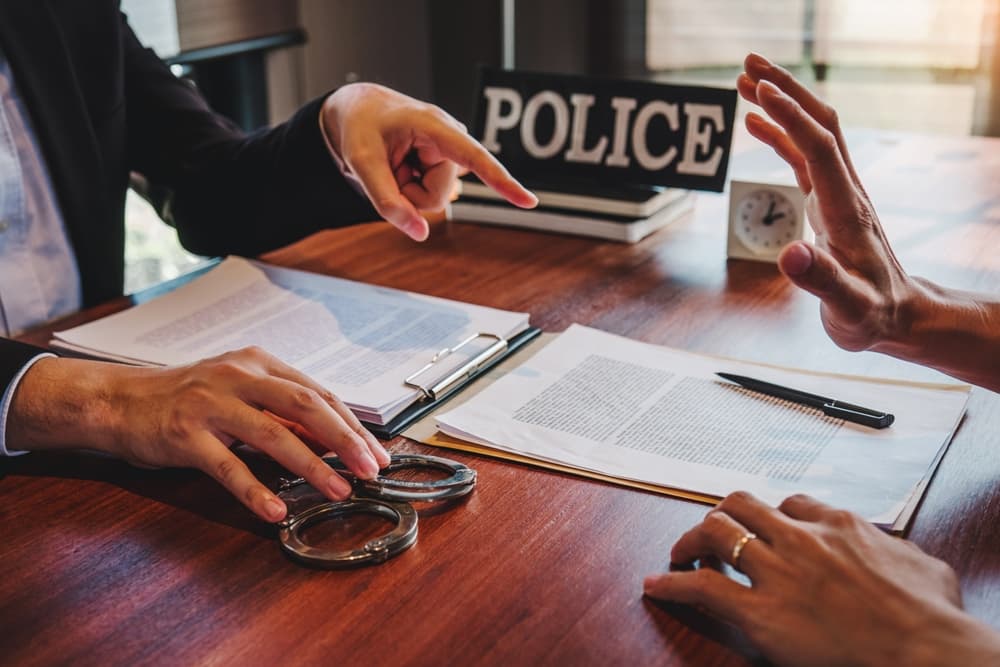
x,y
358,340
642,412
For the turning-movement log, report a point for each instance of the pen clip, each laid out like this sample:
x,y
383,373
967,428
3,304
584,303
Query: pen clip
x,y
858,414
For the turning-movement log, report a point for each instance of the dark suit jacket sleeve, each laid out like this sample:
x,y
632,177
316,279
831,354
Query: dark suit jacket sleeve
x,y
13,357
233,193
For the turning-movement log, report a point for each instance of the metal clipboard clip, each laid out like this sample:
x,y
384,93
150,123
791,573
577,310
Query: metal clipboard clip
x,y
434,390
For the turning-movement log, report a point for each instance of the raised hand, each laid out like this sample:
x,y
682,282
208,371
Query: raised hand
x,y
868,302
852,267
407,154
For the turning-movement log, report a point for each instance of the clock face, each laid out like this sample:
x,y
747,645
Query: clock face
x,y
765,221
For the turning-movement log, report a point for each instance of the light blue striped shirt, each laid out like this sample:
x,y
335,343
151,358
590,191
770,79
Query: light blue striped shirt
x,y
39,278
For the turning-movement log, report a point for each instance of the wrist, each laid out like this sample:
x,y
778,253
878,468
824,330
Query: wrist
x,y
64,403
329,128
912,312
327,117
335,107
951,638
953,331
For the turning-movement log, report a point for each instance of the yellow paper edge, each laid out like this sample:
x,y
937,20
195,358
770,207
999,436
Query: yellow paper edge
x,y
441,440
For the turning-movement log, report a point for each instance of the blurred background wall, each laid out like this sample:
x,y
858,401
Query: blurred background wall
x,y
921,65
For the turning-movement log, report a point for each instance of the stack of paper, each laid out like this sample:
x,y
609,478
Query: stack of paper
x,y
620,213
358,340
616,408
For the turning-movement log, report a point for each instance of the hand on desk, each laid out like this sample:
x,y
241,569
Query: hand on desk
x,y
407,154
189,416
868,301
828,588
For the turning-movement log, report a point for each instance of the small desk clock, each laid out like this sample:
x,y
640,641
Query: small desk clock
x,y
764,218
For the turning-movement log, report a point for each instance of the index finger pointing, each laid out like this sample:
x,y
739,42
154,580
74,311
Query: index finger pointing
x,y
468,153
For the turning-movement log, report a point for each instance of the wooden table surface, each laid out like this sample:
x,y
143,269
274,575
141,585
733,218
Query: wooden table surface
x,y
107,564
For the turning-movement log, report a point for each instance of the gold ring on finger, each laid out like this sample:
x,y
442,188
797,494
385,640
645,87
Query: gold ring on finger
x,y
741,543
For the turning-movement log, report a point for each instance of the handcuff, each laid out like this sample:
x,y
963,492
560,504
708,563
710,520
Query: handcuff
x,y
383,496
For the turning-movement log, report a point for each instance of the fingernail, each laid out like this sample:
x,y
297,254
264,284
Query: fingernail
x,y
768,87
796,259
754,58
417,229
369,466
274,508
382,456
338,486
755,119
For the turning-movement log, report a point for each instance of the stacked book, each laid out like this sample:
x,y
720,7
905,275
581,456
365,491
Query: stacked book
x,y
626,213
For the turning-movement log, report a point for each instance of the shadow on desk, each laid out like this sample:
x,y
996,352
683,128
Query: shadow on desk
x,y
186,489
672,620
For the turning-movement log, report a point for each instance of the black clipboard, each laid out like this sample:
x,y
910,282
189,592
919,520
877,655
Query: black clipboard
x,y
432,400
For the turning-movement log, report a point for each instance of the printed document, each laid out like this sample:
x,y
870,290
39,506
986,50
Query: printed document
x,y
358,340
598,402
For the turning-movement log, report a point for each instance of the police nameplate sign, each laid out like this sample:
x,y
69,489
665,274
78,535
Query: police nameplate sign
x,y
569,128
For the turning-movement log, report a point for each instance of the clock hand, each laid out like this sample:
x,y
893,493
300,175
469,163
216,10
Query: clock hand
x,y
769,216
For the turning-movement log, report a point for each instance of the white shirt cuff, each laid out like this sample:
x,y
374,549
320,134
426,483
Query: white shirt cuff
x,y
5,404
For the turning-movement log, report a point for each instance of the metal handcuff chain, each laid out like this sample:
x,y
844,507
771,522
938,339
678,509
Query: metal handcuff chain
x,y
383,496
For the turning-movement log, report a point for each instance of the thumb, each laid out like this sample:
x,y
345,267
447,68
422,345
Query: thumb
x,y
705,588
379,183
812,269
848,297
400,212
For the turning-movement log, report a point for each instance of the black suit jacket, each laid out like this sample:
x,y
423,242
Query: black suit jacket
x,y
102,106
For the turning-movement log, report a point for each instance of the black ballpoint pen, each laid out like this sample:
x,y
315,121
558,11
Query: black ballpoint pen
x,y
830,406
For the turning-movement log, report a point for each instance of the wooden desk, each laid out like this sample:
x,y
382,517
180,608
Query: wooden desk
x,y
107,564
